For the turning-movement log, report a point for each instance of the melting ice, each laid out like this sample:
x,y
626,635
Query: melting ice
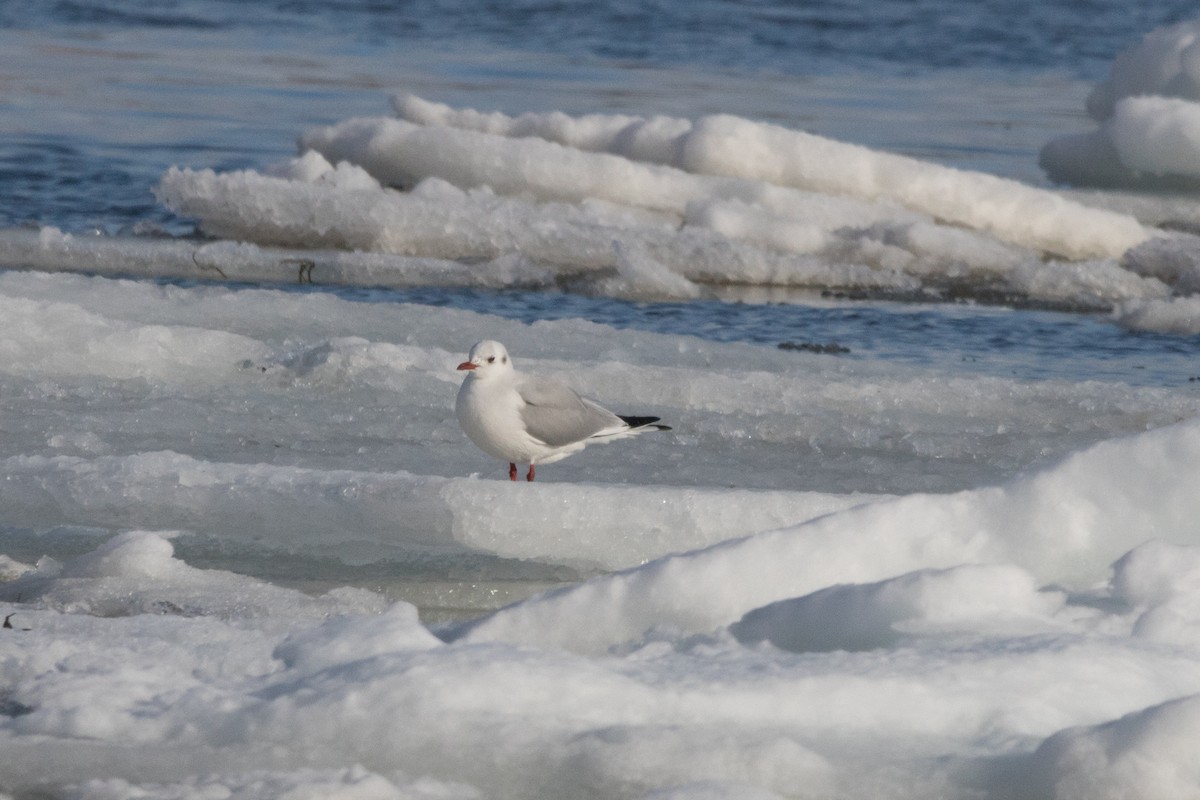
x,y
248,553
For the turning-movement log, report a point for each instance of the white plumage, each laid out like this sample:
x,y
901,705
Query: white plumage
x,y
524,419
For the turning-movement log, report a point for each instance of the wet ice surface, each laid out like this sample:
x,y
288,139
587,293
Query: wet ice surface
x,y
972,338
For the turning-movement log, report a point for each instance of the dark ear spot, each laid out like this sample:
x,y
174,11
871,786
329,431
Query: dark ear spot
x,y
504,359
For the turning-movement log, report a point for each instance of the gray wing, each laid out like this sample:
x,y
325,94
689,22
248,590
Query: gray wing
x,y
556,415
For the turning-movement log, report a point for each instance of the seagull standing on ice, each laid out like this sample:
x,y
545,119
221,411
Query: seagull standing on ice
x,y
526,420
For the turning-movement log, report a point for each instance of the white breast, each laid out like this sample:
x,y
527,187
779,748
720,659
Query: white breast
x,y
489,413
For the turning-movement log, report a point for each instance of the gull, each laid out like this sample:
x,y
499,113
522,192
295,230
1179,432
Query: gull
x,y
524,419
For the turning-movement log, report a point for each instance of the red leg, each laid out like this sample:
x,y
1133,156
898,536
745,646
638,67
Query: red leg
x,y
529,477
512,472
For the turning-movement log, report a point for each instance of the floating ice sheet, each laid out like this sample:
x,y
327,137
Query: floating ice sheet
x,y
655,208
577,243
724,145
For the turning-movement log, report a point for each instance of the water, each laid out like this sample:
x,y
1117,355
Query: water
x,y
912,36
101,97
1024,345
95,116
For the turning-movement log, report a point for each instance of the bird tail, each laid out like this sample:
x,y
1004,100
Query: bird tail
x,y
645,422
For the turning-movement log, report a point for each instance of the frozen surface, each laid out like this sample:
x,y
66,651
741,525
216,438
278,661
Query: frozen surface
x,y
729,202
246,552
662,208
725,145
1063,526
835,578
1149,115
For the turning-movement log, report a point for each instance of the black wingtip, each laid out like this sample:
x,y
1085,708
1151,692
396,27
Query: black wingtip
x,y
645,422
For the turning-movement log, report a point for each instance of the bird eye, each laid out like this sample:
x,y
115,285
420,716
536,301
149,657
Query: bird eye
x,y
491,359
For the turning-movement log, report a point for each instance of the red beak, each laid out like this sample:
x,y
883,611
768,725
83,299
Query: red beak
x,y
466,365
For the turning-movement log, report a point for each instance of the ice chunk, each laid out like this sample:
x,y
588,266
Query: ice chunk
x,y
480,226
642,139
735,202
1161,582
1095,285
862,617
1064,525
640,277
1150,118
740,220
1175,260
1143,754
51,250
347,639
1157,135
286,704
60,337
1165,62
136,573
1174,315
311,167
733,147
576,244
1085,159
400,153
726,145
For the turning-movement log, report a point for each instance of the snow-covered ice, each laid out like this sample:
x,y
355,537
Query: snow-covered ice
x,y
667,208
1148,111
723,201
251,554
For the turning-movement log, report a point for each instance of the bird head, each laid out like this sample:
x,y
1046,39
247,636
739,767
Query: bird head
x,y
487,359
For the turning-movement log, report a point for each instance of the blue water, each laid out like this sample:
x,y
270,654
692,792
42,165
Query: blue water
x,y
796,38
101,97
997,341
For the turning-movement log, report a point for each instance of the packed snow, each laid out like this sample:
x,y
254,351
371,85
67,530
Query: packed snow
x,y
249,553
